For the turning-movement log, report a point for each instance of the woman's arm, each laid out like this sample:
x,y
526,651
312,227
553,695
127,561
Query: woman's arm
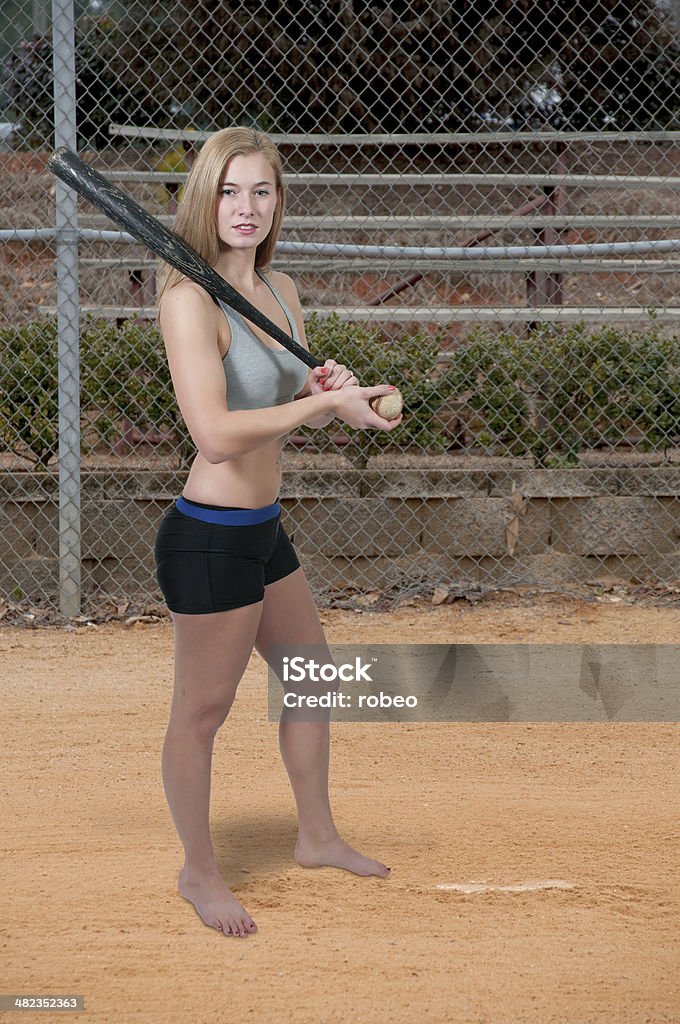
x,y
330,376
321,380
188,323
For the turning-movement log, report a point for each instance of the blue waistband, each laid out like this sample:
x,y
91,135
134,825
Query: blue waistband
x,y
229,517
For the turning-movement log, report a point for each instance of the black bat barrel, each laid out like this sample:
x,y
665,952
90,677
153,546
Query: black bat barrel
x,y
164,243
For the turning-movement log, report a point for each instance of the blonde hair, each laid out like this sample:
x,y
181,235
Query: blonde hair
x,y
195,221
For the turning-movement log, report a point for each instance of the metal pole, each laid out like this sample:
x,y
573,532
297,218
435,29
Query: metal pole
x,y
543,287
490,252
68,313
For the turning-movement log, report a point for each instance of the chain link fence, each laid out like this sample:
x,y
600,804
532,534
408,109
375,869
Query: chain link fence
x,y
483,209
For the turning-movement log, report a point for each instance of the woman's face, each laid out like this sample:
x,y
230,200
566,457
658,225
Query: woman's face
x,y
246,201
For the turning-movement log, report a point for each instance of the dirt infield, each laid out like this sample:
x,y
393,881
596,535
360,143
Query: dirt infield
x,y
534,866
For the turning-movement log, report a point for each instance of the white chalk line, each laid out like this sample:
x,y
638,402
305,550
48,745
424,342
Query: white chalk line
x,y
472,887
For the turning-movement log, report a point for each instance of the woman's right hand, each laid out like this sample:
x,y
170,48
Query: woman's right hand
x,y
352,406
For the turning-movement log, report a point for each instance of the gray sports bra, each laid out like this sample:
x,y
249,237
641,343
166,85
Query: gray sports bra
x,y
257,376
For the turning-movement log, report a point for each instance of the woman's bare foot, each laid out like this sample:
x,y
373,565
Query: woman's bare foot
x,y
336,853
215,903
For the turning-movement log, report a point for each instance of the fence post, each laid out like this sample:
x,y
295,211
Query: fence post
x,y
68,313
545,288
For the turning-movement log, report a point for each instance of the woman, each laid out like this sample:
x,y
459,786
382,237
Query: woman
x,y
228,571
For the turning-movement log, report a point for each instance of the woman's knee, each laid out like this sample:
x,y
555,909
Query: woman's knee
x,y
202,716
211,655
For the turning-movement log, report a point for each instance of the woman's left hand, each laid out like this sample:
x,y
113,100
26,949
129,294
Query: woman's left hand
x,y
330,377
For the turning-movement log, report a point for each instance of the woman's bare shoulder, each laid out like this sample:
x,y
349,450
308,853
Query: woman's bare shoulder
x,y
186,292
282,282
185,304
189,311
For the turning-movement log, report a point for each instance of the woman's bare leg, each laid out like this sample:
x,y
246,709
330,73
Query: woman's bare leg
x,y
288,618
211,655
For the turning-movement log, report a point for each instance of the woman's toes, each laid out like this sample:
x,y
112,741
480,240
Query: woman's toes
x,y
236,927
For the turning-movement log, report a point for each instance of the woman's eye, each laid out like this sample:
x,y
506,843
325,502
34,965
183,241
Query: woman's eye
x,y
262,192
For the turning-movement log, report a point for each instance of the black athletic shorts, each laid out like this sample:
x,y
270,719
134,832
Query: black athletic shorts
x,y
213,566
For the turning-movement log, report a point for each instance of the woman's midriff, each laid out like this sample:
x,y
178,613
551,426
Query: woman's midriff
x,y
250,481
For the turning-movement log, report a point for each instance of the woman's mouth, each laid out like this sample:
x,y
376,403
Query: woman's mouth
x,y
245,229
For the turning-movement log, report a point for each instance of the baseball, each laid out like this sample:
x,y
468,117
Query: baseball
x,y
388,406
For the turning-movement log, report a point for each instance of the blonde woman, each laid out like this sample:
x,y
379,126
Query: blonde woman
x,y
228,572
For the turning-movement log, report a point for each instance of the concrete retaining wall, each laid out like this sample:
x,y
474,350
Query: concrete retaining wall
x,y
380,527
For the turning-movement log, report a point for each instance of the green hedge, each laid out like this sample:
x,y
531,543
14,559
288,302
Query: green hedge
x,y
408,362
123,375
550,395
562,391
28,390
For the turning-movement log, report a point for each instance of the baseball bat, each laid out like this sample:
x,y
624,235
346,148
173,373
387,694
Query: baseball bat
x,y
168,246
